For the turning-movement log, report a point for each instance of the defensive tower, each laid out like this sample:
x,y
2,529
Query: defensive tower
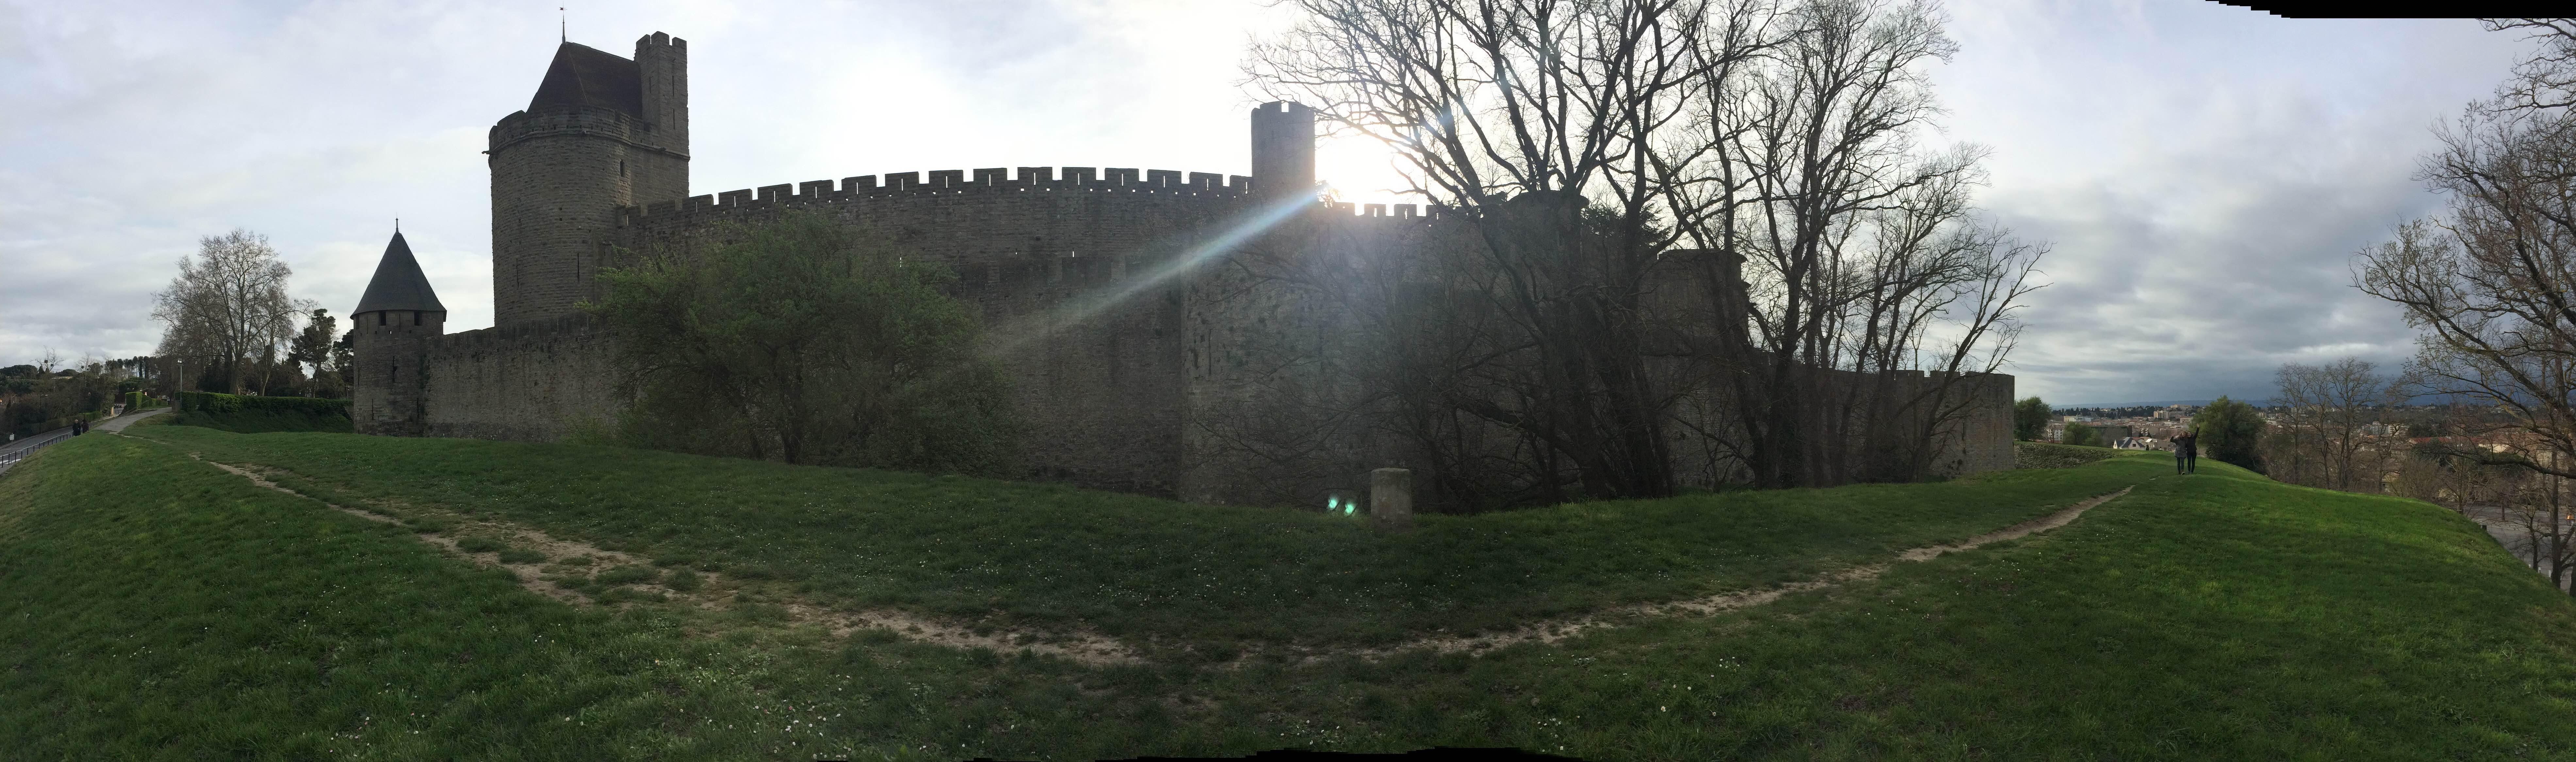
x,y
1283,150
394,321
602,132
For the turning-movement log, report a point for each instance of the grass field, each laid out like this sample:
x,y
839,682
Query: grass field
x,y
1142,568
160,608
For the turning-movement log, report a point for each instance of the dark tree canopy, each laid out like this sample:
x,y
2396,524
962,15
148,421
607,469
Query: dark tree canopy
x,y
2230,431
806,341
2030,419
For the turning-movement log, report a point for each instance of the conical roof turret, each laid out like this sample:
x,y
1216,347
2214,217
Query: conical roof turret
x,y
399,284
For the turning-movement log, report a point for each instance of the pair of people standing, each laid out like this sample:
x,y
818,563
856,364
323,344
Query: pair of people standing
x,y
2186,453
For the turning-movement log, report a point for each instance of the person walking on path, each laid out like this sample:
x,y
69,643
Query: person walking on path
x,y
2181,442
2189,458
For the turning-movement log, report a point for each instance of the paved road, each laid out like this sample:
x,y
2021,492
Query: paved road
x,y
11,452
32,440
120,422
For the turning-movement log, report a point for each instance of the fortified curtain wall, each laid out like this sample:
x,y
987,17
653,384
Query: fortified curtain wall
x,y
535,381
1279,410
1074,276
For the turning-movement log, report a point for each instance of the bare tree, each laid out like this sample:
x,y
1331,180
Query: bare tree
x,y
2324,409
228,309
2537,506
1590,147
2547,80
2490,286
1541,124
1861,259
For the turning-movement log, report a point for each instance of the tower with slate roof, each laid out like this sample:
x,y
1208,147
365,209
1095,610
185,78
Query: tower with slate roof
x,y
602,133
395,320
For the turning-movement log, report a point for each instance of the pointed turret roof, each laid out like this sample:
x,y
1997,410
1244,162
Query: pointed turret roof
x,y
398,284
583,76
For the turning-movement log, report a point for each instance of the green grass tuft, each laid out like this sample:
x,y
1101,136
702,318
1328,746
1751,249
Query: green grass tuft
x,y
627,575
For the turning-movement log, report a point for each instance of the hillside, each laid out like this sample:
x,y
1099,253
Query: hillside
x,y
722,609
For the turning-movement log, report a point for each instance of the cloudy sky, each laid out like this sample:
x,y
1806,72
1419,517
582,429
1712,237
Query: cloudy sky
x,y
2204,172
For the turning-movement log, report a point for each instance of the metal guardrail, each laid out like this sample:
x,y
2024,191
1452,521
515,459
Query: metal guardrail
x,y
12,457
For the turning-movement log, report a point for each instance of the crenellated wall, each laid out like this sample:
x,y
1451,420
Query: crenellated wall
x,y
1078,275
1142,358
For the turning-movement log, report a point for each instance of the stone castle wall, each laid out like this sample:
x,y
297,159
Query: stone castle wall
x,y
534,381
1122,348
1079,277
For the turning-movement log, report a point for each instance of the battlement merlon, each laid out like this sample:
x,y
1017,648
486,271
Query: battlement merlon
x,y
956,181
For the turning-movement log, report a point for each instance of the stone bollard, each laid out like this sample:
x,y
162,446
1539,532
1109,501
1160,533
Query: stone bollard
x,y
1391,499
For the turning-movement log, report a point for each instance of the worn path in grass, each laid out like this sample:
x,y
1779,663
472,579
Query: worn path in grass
x,y
155,607
704,590
1176,582
2214,616
1090,648
1551,632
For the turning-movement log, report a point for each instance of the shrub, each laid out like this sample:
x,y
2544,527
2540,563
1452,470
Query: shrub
x,y
249,414
2030,419
811,342
2232,432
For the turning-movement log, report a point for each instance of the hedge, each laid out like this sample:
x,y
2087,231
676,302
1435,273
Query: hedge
x,y
55,423
211,402
253,415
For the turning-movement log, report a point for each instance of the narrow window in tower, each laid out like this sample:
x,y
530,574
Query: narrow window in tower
x,y
621,167
380,318
415,317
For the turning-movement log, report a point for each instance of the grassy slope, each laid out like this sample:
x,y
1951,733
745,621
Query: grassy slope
x,y
171,607
160,608
1141,567
2218,616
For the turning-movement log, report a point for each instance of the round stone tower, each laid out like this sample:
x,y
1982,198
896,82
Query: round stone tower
x,y
393,321
603,132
